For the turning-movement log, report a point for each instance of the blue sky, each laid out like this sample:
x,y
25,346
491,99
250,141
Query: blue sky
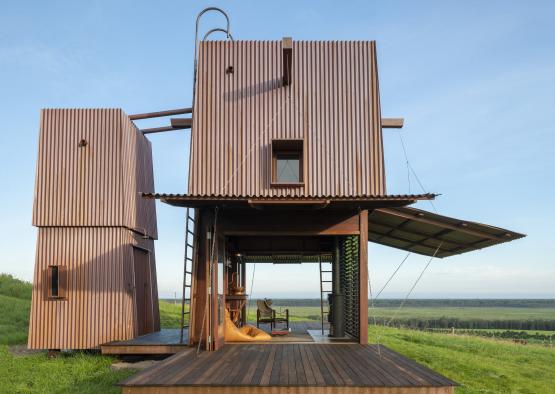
x,y
474,80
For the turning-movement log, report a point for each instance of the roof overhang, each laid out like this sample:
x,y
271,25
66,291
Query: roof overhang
x,y
291,202
431,234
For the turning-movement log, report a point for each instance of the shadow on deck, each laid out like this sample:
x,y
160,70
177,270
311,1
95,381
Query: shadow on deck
x,y
165,341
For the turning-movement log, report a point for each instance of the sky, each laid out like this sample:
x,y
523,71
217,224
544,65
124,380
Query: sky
x,y
474,80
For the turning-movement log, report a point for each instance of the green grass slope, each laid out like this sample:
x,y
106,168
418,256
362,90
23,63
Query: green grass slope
x,y
76,372
15,304
479,365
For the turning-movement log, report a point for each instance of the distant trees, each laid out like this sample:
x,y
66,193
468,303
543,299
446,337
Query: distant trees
x,y
467,323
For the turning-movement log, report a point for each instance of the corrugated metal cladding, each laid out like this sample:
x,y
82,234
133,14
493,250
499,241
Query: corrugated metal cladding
x,y
92,165
332,103
99,305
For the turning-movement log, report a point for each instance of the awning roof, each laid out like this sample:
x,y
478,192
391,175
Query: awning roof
x,y
423,232
364,202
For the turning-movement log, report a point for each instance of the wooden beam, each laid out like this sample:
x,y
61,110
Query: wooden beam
x,y
148,115
161,129
185,123
263,202
392,123
287,48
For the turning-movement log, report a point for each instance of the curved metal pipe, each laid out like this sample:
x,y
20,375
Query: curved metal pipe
x,y
217,29
227,31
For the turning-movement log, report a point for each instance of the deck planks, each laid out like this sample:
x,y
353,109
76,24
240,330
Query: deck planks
x,y
289,366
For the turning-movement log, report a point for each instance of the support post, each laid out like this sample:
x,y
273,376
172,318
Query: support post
x,y
363,276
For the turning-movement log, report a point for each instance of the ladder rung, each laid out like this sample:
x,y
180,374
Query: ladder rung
x,y
326,271
186,313
327,281
190,232
190,246
187,285
188,272
191,219
188,259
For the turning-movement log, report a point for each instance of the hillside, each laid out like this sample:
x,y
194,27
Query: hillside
x,y
480,365
15,303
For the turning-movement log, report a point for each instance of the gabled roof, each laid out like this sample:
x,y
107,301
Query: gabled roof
x,y
431,234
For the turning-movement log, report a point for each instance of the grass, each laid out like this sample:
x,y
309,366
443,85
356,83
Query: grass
x,y
81,372
486,313
77,372
480,365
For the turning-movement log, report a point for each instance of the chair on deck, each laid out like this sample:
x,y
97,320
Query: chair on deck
x,y
266,314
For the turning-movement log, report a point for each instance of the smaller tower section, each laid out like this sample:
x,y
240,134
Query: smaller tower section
x,y
95,273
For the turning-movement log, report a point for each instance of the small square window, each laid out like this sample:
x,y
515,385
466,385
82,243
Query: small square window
x,y
288,167
287,163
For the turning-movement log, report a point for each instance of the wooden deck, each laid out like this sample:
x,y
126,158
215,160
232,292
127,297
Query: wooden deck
x,y
165,341
289,368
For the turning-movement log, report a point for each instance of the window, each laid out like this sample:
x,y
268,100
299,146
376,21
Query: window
x,y
57,281
287,163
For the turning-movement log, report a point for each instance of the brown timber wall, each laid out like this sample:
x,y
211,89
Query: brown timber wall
x,y
96,184
99,305
92,166
332,103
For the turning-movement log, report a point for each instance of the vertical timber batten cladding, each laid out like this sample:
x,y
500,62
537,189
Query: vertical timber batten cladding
x,y
92,163
332,104
99,305
92,166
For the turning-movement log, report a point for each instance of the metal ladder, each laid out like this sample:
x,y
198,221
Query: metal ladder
x,y
323,290
187,272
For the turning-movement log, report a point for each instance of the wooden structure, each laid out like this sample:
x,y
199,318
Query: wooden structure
x,y
286,166
95,273
290,368
287,163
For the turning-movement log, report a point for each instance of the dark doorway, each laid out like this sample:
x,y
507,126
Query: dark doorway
x,y
143,296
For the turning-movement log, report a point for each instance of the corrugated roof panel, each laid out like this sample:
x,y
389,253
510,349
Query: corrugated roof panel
x,y
431,234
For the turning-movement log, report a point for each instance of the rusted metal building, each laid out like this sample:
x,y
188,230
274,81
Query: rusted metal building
x,y
95,272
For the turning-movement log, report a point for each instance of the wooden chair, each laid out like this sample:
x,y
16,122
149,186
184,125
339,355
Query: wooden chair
x,y
266,314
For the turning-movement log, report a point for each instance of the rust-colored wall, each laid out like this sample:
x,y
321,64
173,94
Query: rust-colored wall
x,y
99,305
97,184
90,214
332,103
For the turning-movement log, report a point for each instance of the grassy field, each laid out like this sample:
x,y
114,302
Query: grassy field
x,y
313,313
76,372
480,365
